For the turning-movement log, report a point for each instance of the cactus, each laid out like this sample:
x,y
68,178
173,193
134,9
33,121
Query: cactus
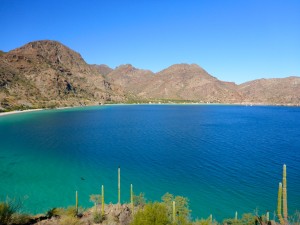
x,y
279,204
236,215
268,216
119,185
76,204
174,212
284,194
102,202
210,218
131,198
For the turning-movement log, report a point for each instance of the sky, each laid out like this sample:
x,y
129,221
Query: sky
x,y
233,40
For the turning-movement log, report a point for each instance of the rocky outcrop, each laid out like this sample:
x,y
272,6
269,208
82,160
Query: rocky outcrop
x,y
114,215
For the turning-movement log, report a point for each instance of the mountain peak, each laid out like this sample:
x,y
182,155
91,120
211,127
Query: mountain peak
x,y
102,69
43,45
52,52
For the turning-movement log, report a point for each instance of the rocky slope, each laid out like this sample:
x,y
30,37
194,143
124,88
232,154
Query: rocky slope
x,y
184,82
133,80
190,82
272,91
47,73
102,69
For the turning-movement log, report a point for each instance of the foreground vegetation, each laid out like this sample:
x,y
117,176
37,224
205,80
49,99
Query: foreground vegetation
x,y
142,213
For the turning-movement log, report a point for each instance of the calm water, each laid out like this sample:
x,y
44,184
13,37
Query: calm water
x,y
223,158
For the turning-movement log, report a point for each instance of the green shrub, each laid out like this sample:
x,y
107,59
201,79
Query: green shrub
x,y
6,212
18,218
205,222
7,209
139,200
54,212
97,217
247,219
70,211
96,199
295,218
151,214
69,220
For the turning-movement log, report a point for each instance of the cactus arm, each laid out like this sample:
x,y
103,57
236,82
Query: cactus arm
x,y
131,198
102,201
119,185
174,212
279,204
76,202
284,194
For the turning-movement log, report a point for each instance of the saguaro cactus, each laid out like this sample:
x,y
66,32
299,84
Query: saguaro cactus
x,y
174,212
236,215
119,185
284,194
102,200
76,202
131,198
279,204
268,216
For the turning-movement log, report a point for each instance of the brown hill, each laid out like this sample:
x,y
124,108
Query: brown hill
x,y
272,91
191,82
178,82
102,69
47,73
133,80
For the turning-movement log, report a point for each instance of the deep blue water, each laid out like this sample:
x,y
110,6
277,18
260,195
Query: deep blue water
x,y
223,158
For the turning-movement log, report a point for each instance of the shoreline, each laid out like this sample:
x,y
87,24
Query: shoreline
x,y
19,111
30,110
150,103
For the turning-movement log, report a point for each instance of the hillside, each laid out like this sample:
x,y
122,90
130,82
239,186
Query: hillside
x,y
189,82
272,91
47,73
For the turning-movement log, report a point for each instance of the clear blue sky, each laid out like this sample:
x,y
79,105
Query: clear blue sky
x,y
234,40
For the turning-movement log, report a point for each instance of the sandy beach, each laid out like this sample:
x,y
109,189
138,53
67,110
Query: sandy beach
x,y
15,112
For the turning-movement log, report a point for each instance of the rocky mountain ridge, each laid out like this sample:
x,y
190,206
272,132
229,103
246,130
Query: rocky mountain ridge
x,y
49,74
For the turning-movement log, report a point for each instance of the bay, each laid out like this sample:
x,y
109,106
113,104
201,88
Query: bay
x,y
223,158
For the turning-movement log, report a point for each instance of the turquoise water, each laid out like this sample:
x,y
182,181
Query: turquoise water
x,y
223,158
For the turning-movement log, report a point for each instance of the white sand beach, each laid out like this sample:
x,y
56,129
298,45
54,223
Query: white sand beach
x,y
19,111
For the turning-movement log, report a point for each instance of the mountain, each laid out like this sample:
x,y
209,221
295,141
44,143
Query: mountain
x,y
133,80
102,69
190,82
272,91
47,73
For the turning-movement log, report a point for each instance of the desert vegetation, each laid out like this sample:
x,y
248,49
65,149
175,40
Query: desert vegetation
x,y
171,210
